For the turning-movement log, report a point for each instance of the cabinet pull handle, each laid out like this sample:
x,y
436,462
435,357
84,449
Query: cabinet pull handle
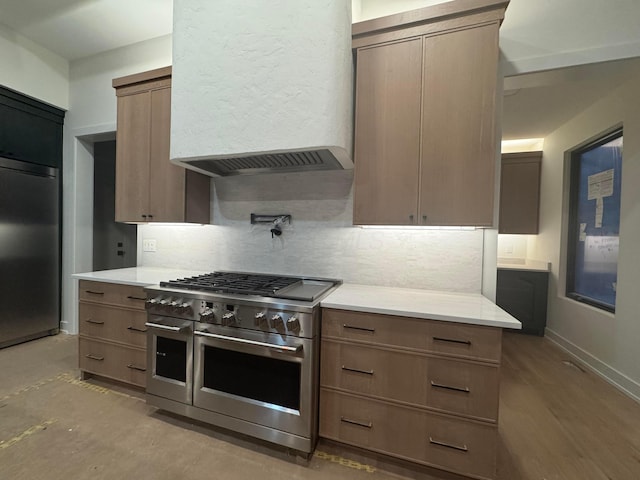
x,y
364,329
424,219
356,370
452,340
411,218
94,357
448,387
95,322
354,422
131,297
463,448
94,293
134,329
133,367
150,216
144,216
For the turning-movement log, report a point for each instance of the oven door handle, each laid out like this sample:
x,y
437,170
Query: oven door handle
x,y
285,348
163,327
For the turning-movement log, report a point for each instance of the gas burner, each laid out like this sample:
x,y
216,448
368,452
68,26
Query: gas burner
x,y
231,282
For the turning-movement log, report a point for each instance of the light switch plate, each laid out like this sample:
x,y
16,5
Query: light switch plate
x,y
149,245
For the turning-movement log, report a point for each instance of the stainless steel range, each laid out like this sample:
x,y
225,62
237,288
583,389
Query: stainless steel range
x,y
240,351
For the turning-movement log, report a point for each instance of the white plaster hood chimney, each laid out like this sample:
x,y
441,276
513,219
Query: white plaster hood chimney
x,y
262,86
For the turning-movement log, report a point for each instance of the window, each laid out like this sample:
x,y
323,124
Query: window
x,y
594,222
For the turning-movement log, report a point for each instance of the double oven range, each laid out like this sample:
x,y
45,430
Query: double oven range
x,y
240,351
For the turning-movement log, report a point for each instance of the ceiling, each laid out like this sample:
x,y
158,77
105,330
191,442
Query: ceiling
x,y
534,104
79,28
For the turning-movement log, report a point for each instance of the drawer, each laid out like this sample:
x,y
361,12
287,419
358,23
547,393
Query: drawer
x,y
112,294
456,445
454,386
113,361
447,338
114,324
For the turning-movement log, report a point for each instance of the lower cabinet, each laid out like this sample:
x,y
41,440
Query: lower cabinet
x,y
430,405
523,294
113,337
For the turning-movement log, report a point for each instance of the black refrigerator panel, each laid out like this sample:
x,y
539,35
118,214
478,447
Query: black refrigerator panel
x,y
29,251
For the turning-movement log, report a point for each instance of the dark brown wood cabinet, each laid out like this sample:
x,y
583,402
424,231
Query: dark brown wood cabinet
x,y
425,141
520,192
421,390
149,188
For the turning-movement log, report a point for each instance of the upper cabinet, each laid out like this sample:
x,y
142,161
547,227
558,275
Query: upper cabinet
x,y
30,131
425,137
520,192
149,188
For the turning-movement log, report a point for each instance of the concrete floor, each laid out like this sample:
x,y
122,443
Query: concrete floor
x,y
55,426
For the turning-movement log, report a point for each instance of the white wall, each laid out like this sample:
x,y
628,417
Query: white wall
x,y
92,117
607,342
320,240
33,70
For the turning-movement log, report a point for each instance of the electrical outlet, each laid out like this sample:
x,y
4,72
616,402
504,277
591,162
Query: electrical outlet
x,y
149,245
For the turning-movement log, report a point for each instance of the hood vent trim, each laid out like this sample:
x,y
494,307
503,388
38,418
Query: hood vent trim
x,y
284,162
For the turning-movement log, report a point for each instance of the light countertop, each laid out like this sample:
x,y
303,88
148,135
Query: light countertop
x,y
524,264
470,308
139,276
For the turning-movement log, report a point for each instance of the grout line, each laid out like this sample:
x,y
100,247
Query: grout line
x,y
344,461
65,377
35,386
28,432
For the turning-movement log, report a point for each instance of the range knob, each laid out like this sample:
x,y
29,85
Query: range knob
x,y
206,315
151,302
277,323
228,319
260,320
293,325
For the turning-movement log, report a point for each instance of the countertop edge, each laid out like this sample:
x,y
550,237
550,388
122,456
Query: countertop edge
x,y
426,316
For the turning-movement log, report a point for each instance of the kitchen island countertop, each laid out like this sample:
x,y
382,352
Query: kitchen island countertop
x,y
138,276
470,308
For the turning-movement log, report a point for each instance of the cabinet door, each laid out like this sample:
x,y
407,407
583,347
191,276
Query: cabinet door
x,y
132,157
520,193
387,136
458,127
166,180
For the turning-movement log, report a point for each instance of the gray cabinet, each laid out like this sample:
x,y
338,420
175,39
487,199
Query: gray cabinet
x,y
523,294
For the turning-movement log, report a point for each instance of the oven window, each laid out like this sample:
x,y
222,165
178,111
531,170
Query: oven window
x,y
171,358
251,376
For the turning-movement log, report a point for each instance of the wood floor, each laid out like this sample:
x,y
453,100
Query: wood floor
x,y
561,421
558,421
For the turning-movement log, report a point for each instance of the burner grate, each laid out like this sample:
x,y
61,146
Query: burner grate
x,y
227,282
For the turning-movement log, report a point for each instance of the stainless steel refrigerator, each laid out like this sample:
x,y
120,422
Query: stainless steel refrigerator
x,y
29,251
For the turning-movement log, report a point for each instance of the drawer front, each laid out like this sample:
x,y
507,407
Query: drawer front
x,y
371,371
468,341
114,324
452,444
113,361
463,388
453,386
372,425
112,294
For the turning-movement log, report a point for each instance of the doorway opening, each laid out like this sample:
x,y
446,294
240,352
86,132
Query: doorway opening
x,y
114,243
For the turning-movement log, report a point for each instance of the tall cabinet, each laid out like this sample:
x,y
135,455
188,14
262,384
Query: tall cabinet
x,y
149,188
425,136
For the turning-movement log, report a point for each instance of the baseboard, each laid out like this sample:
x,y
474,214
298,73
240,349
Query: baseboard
x,y
626,385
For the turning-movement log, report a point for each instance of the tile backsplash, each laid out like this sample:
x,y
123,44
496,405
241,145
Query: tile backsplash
x,y
320,241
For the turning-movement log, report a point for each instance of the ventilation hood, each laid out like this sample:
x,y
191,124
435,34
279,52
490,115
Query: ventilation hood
x,y
262,87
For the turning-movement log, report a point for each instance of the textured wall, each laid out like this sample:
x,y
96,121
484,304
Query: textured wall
x,y
320,241
275,76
